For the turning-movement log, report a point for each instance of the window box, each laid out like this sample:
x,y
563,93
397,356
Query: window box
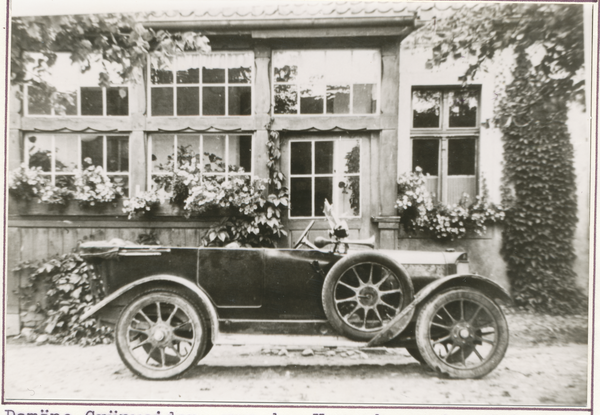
x,y
170,210
393,223
34,208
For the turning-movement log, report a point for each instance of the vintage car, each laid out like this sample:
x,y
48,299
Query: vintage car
x,y
170,305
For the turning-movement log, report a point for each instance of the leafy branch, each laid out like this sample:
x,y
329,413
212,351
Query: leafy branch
x,y
117,39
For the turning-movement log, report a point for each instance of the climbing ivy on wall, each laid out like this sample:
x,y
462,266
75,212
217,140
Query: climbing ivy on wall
x,y
540,194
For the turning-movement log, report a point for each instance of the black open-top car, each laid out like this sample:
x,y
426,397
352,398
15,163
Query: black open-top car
x,y
171,305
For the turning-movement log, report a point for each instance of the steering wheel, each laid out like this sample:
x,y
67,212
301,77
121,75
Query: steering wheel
x,y
300,241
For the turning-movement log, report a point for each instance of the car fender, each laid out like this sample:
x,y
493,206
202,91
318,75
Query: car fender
x,y
202,296
399,322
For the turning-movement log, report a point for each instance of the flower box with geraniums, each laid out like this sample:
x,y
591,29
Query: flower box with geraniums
x,y
420,214
91,192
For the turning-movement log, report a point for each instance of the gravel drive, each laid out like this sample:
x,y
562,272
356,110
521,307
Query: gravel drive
x,y
528,375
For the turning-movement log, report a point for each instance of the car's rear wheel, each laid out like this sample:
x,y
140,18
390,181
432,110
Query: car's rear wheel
x,y
161,335
363,292
462,333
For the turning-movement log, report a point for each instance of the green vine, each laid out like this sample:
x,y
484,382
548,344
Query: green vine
x,y
540,192
71,287
276,177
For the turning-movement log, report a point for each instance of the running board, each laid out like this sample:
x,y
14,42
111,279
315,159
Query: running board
x,y
286,341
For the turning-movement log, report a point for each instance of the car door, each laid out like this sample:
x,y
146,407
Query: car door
x,y
294,281
234,278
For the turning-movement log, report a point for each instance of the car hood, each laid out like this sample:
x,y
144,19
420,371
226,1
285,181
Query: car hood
x,y
423,257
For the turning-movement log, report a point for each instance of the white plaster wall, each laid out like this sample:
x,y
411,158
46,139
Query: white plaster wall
x,y
580,127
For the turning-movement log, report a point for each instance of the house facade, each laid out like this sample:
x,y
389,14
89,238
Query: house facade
x,y
351,97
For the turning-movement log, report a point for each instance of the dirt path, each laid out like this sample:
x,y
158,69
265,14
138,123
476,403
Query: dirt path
x,y
528,375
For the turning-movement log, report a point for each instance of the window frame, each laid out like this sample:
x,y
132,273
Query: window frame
x,y
444,133
53,173
226,85
79,102
351,113
227,174
104,103
333,175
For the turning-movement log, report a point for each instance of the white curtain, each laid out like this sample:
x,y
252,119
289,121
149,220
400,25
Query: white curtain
x,y
188,61
242,59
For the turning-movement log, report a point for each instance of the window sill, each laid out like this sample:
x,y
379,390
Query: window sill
x,y
393,223
30,208
488,234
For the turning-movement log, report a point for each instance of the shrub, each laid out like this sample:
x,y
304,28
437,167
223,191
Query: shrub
x,y
71,288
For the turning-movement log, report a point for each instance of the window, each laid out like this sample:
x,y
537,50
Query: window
x,y
59,155
218,156
325,169
326,81
444,140
202,84
63,90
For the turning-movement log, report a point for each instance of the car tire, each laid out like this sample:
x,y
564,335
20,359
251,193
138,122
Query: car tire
x,y
161,334
364,291
462,333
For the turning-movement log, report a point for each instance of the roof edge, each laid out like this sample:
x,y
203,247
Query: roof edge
x,y
242,24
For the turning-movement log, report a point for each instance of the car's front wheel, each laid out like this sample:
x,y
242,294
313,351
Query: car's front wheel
x,y
161,335
462,333
363,292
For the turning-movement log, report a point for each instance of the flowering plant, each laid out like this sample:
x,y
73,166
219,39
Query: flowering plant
x,y
251,218
55,195
93,186
29,183
418,212
240,193
143,203
25,183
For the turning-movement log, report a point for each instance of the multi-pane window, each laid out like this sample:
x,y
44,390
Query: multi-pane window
x,y
202,84
218,157
326,81
59,155
444,140
63,90
325,169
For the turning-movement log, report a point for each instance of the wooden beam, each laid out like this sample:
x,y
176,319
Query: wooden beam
x,y
332,32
